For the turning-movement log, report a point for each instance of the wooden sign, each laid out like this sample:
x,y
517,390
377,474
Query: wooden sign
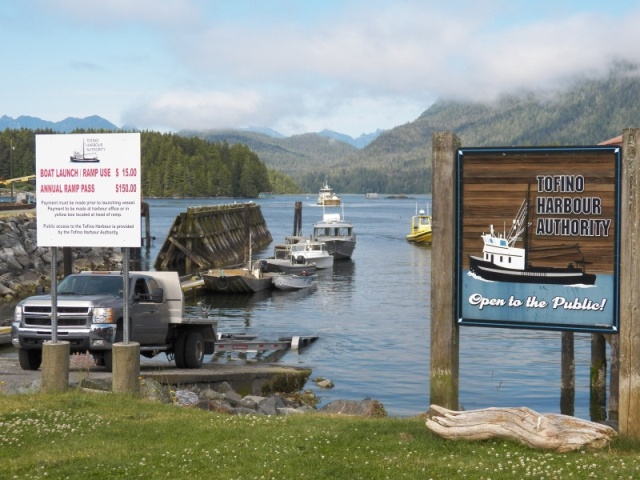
x,y
538,238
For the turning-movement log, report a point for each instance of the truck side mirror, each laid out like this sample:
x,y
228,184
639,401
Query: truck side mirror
x,y
157,295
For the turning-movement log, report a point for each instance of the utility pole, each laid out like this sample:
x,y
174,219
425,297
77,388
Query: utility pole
x,y
11,147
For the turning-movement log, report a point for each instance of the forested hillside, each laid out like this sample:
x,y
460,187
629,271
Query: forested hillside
x,y
399,160
241,163
171,165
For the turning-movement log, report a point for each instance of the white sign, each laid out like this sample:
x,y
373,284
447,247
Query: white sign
x,y
88,190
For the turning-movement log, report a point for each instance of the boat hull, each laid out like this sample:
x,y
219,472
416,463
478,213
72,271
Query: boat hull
x,y
340,249
420,237
294,282
320,261
275,265
235,281
544,275
330,202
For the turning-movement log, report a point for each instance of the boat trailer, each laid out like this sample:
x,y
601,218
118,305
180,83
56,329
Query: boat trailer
x,y
237,342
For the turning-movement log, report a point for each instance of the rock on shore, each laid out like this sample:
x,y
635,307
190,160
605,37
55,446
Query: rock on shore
x,y
24,266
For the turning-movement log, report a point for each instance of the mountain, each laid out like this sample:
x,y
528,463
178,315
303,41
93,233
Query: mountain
x,y
360,142
399,160
67,125
295,156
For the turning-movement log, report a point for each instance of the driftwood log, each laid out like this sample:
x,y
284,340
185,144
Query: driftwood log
x,y
561,433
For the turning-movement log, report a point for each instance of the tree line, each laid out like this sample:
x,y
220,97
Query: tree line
x,y
171,165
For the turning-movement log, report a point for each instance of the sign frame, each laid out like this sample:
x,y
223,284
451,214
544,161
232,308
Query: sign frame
x,y
88,190
574,218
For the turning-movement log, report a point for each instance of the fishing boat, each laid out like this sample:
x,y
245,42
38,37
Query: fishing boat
x,y
420,228
308,251
327,198
502,261
237,280
295,282
337,234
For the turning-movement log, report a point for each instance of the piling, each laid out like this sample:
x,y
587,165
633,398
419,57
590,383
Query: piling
x,y
568,374
598,390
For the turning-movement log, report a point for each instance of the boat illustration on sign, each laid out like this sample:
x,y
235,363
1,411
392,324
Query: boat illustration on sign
x,y
502,261
83,157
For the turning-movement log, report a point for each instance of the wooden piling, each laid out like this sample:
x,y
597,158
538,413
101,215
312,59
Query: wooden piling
x,y
445,341
598,382
568,374
614,379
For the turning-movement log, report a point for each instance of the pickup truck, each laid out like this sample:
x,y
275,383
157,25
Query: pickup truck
x,y
90,317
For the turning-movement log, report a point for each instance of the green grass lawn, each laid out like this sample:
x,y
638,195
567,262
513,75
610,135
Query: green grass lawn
x,y
85,436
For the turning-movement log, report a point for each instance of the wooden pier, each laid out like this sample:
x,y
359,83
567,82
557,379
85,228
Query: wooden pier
x,y
213,236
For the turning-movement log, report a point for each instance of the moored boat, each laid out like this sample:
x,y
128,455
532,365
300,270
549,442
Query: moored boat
x,y
294,282
283,262
237,280
327,198
420,228
308,251
337,234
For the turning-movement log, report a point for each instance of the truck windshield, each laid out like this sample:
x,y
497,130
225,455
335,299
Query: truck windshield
x,y
91,285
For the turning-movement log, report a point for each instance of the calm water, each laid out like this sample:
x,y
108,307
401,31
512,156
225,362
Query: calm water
x,y
372,318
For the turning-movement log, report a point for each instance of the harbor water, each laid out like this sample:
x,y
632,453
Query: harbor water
x,y
372,317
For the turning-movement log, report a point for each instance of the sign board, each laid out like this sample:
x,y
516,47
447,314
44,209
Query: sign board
x,y
538,238
88,190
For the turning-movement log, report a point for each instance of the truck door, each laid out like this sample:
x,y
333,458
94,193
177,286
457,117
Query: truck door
x,y
148,329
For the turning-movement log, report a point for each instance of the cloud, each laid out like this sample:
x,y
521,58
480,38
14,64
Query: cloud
x,y
303,65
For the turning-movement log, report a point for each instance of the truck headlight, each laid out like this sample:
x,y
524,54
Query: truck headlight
x,y
17,314
103,315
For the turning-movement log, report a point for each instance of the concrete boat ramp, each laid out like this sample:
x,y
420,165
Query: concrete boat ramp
x,y
256,377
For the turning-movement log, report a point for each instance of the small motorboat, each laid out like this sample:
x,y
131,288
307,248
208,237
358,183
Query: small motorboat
x,y
294,282
420,228
308,251
283,262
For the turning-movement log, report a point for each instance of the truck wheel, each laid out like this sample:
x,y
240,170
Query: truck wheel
x,y
194,350
179,350
30,359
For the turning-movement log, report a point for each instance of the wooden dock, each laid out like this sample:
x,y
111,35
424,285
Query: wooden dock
x,y
213,236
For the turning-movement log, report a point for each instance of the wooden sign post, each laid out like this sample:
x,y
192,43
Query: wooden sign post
x,y
629,389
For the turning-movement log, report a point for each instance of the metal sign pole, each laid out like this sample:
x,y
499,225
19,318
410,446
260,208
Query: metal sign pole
x,y
125,294
54,295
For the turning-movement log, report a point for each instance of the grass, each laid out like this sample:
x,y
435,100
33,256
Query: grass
x,y
81,435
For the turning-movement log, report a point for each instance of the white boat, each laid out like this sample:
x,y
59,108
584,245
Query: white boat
x,y
337,234
283,262
309,251
294,282
327,198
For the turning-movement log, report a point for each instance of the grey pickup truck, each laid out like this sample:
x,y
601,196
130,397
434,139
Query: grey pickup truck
x,y
90,317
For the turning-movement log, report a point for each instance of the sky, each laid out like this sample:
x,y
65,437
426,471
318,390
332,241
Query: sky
x,y
296,66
